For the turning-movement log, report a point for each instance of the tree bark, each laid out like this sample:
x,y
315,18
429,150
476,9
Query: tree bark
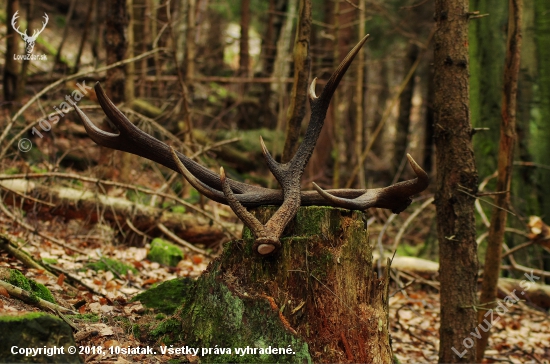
x,y
22,80
244,54
404,118
455,169
499,215
11,67
541,146
298,98
360,99
319,297
68,19
116,45
269,53
429,128
487,51
84,38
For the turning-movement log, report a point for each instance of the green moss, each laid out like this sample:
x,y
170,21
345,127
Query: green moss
x,y
37,290
49,261
214,317
18,279
27,316
309,221
165,253
108,264
167,296
163,329
136,332
11,170
85,317
319,266
41,291
179,209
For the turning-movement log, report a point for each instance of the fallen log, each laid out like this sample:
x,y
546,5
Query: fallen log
x,y
72,203
531,292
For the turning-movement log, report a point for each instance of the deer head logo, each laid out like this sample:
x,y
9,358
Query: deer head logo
x,y
29,41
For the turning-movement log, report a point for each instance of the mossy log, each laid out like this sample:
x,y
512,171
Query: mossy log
x,y
318,297
86,205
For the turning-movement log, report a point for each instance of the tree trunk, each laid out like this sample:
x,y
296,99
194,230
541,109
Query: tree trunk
x,y
487,50
360,100
542,130
319,297
22,81
499,215
524,191
11,67
66,30
244,54
455,169
404,119
84,38
429,127
116,45
302,62
274,25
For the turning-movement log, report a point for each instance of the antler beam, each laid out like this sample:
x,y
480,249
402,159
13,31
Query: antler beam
x,y
240,195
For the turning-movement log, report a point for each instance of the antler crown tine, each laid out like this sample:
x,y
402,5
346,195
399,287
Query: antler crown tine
x,y
396,197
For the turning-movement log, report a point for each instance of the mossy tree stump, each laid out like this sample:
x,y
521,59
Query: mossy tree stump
x,y
318,294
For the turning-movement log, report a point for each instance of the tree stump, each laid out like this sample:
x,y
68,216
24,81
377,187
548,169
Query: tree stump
x,y
317,300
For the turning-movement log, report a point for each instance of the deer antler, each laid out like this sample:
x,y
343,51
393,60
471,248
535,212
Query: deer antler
x,y
290,174
395,197
36,33
239,195
13,21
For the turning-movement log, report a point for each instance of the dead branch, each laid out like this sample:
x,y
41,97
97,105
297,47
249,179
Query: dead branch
x,y
28,297
85,205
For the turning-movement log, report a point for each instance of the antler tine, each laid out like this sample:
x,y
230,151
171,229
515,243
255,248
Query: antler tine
x,y
266,240
290,174
203,188
319,107
36,32
130,138
14,20
396,197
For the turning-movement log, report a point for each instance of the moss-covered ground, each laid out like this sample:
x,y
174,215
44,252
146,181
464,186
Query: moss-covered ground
x,y
164,252
37,290
108,264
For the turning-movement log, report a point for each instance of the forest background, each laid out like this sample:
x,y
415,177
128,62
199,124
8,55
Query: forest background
x,y
217,74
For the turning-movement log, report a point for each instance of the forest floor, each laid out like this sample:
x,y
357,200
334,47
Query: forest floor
x,y
522,335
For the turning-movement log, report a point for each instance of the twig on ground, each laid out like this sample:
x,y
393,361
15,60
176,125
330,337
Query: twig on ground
x,y
27,197
76,278
12,248
30,298
180,241
35,231
98,181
